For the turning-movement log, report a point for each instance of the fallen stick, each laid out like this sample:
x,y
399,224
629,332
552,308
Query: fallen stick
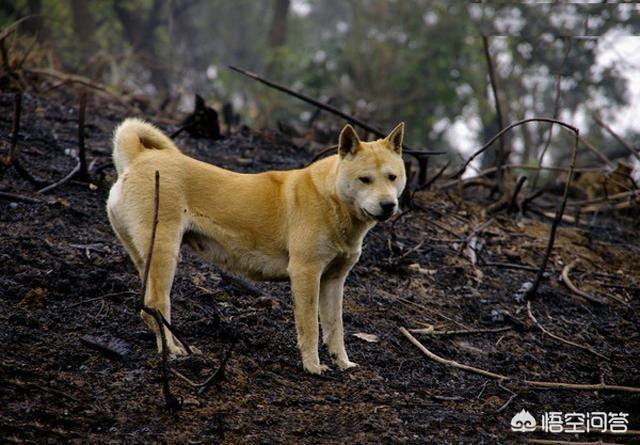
x,y
561,339
20,198
219,374
42,388
485,172
564,276
430,331
81,80
58,183
568,442
510,266
502,377
629,194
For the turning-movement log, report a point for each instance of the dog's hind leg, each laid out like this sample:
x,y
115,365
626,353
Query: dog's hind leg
x,y
161,273
125,237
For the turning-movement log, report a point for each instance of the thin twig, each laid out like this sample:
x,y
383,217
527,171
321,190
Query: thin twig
x,y
65,179
560,339
556,221
331,109
568,442
567,281
623,195
15,129
80,80
514,197
502,152
56,392
490,170
6,32
170,399
510,266
82,157
219,374
322,154
597,152
535,383
556,109
430,331
598,120
503,131
13,197
437,176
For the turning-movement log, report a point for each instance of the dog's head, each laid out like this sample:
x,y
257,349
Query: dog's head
x,y
371,175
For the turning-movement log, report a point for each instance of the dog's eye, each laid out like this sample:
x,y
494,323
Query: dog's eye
x,y
365,179
392,178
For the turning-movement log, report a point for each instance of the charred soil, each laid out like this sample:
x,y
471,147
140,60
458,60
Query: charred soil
x,y
66,285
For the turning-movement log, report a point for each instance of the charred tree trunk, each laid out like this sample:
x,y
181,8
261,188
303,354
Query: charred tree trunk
x,y
83,27
277,32
139,33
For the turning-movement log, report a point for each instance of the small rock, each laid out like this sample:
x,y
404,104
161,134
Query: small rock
x,y
522,292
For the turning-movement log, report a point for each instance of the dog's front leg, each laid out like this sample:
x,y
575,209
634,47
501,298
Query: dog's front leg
x,y
331,296
305,286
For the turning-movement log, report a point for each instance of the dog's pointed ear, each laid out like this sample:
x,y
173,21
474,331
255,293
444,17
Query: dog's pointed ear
x,y
395,138
348,142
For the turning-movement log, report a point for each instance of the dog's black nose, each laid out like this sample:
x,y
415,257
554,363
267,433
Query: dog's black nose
x,y
387,209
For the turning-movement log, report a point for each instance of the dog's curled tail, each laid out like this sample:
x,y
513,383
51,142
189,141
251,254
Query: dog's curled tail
x,y
132,137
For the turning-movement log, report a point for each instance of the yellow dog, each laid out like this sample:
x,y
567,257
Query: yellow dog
x,y
306,225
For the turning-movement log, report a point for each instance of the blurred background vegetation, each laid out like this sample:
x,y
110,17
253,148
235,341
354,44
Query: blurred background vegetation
x,y
383,61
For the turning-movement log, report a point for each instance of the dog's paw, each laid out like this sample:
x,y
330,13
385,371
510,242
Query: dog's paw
x,y
316,369
176,350
345,364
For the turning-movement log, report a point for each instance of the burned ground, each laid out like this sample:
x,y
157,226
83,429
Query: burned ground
x,y
64,276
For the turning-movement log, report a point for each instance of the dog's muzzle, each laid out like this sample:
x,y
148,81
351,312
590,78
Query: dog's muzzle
x,y
387,209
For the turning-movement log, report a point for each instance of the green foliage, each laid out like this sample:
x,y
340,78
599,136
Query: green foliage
x,y
382,60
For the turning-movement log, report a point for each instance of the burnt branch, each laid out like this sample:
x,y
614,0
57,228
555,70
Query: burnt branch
x,y
598,120
82,157
561,339
406,149
502,152
504,130
80,171
501,377
15,130
558,217
556,110
170,399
